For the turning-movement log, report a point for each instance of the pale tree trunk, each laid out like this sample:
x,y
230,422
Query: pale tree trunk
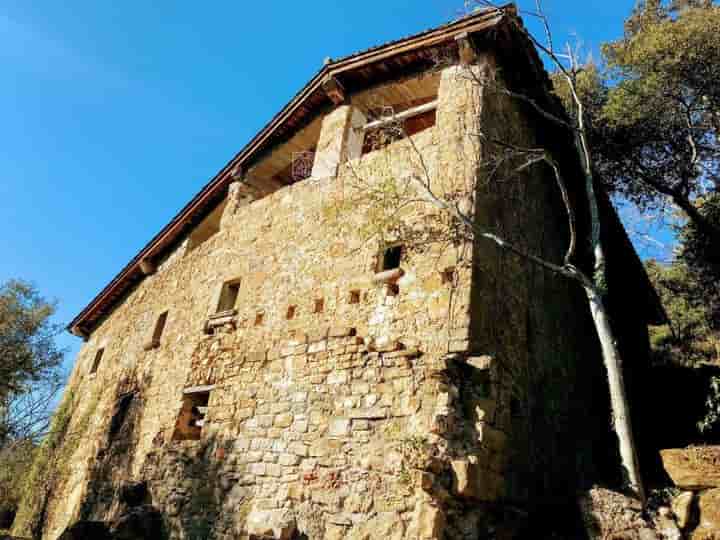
x,y
618,395
594,290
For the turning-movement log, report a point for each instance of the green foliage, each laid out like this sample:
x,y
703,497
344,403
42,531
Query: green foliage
x,y
52,461
700,253
39,481
653,110
26,336
689,338
15,463
30,368
590,86
663,103
690,291
662,497
712,404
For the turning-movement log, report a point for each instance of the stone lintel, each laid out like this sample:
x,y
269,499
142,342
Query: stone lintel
x,y
199,389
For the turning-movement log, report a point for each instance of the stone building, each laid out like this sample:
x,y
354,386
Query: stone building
x,y
282,361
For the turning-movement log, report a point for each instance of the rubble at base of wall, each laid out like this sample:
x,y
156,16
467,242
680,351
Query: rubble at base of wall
x,y
609,514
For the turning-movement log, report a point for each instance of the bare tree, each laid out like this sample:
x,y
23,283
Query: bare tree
x,y
390,196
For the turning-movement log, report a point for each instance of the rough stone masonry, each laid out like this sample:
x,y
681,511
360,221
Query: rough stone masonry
x,y
276,365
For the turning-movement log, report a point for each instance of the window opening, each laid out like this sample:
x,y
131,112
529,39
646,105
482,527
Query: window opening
x,y
319,305
192,414
290,312
448,275
394,125
96,360
228,296
354,297
159,328
120,412
391,258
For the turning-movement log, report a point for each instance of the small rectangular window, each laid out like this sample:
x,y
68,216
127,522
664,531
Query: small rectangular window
x,y
96,360
159,328
228,296
391,258
448,275
259,317
354,297
191,419
290,312
319,305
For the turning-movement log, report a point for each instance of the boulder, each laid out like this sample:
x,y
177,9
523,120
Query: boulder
x,y
693,468
682,507
709,510
139,523
85,530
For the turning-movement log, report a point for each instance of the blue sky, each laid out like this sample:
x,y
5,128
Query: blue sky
x,y
114,114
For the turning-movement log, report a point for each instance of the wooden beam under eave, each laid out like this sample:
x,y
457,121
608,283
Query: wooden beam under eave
x,y
334,90
147,267
80,332
265,184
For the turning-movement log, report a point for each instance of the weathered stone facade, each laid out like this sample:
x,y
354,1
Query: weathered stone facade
x,y
345,402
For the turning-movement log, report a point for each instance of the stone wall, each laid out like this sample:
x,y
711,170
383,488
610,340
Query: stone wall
x,y
382,410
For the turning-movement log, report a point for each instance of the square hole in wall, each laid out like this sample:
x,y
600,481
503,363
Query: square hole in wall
x,y
448,275
97,359
259,318
391,258
319,306
291,311
228,295
159,329
192,415
354,297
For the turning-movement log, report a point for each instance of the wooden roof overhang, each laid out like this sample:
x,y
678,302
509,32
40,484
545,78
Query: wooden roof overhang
x,y
351,73
360,71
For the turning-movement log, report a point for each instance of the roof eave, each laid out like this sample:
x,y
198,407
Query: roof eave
x,y
132,271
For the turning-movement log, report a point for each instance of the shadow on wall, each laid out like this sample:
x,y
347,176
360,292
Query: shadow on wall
x,y
111,468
